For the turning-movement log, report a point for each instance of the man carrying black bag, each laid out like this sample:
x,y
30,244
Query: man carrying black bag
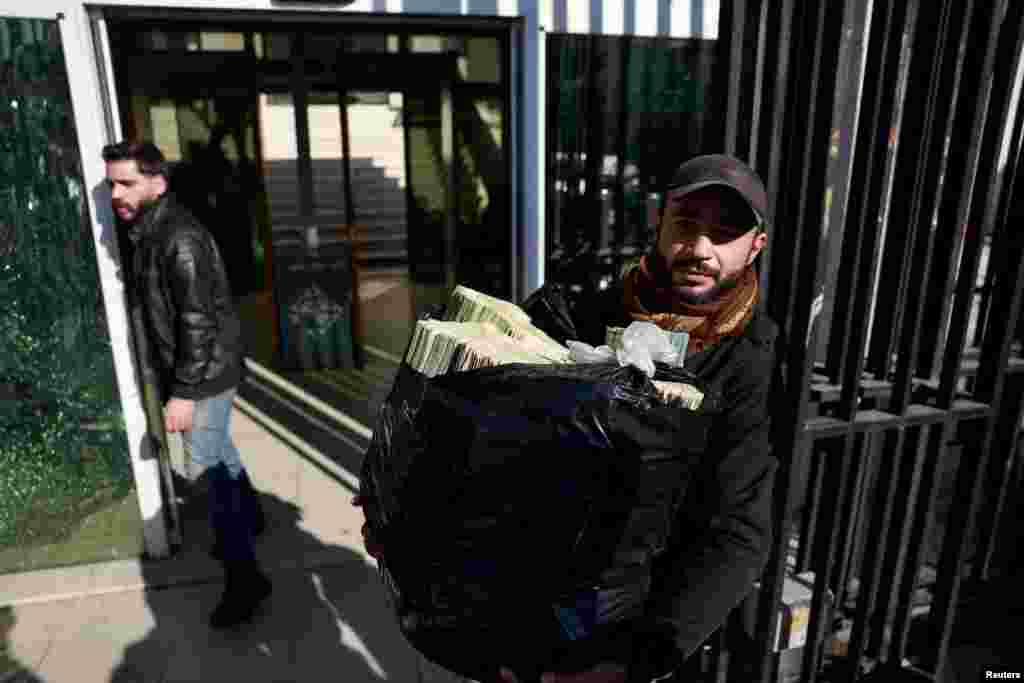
x,y
700,278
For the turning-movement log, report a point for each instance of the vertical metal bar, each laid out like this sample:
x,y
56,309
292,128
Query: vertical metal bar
x,y
914,176
909,455
451,209
987,132
740,21
1002,202
729,64
859,446
511,97
836,511
622,229
410,196
808,526
595,125
989,388
346,152
300,92
719,664
970,474
879,531
771,129
748,98
999,476
861,232
957,234
806,130
912,551
928,195
1007,249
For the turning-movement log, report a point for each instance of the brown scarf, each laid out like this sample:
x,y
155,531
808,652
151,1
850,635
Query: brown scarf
x,y
706,323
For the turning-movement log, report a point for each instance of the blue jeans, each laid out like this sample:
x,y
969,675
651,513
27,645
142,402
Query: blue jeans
x,y
209,442
213,454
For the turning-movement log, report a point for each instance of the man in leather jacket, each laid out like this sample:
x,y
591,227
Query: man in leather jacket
x,y
182,302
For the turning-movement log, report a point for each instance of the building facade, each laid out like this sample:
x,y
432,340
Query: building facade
x,y
424,127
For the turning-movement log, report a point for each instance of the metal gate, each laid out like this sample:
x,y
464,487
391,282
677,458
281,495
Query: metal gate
x,y
906,400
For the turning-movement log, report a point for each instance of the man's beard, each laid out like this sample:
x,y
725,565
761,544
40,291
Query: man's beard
x,y
722,284
141,210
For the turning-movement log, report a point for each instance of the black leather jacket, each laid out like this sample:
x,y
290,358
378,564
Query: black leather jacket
x,y
180,297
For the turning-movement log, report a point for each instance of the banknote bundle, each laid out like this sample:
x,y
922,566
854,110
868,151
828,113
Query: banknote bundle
x,y
439,346
479,331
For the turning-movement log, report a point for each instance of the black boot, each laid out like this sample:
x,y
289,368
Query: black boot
x,y
246,587
254,509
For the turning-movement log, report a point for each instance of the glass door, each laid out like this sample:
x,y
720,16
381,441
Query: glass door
x,y
399,153
432,219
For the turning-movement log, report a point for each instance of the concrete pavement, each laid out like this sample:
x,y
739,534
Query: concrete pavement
x,y
145,621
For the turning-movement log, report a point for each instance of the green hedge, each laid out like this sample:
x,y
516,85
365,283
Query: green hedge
x,y
63,451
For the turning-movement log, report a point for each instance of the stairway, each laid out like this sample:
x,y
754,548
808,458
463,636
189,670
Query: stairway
x,y
378,186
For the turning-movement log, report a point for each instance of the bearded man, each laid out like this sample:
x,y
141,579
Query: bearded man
x,y
699,277
182,303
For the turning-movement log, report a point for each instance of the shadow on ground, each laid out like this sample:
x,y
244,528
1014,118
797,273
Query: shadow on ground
x,y
327,619
11,670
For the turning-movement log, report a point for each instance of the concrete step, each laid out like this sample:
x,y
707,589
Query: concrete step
x,y
396,210
372,200
391,255
386,187
394,174
378,243
364,231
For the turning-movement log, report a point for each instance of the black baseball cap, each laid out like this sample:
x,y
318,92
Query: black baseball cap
x,y
723,170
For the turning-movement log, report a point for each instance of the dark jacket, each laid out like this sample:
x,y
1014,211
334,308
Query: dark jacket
x,y
722,535
181,296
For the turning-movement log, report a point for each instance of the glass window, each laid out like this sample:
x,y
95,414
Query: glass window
x,y
482,194
163,120
325,150
222,41
481,62
370,42
432,44
279,142
67,494
273,46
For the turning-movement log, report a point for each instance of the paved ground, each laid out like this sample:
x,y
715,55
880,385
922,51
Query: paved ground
x,y
146,621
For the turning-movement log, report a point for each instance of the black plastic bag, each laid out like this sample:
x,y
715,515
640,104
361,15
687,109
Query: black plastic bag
x,y
502,495
550,310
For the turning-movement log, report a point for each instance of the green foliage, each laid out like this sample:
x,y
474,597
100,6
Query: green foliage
x,y
62,440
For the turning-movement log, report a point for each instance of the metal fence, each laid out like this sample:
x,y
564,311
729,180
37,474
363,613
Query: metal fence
x,y
911,384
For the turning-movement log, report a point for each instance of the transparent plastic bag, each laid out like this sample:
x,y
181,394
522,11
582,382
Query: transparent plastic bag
x,y
643,345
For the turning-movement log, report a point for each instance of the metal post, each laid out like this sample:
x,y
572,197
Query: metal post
x,y
806,130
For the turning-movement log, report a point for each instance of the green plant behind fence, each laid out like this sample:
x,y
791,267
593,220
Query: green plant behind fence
x,y
63,451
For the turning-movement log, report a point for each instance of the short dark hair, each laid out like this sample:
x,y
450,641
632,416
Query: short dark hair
x,y
150,159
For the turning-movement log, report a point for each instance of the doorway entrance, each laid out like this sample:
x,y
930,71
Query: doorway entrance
x,y
393,141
